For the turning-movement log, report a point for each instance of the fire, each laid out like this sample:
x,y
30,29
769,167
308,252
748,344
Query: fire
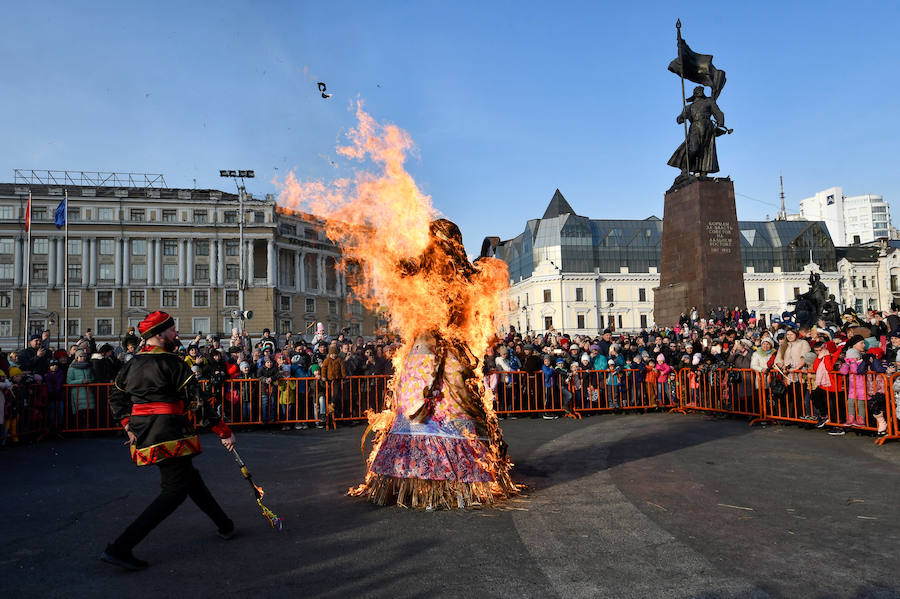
x,y
383,223
381,219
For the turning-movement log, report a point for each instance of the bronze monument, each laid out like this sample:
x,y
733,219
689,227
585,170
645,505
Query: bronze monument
x,y
701,252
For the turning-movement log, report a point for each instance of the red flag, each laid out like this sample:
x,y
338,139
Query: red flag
x,y
28,214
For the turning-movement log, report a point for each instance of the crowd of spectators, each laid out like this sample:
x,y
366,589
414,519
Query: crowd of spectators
x,y
812,373
237,371
272,378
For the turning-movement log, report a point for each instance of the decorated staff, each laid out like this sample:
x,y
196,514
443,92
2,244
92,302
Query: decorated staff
x,y
274,521
151,398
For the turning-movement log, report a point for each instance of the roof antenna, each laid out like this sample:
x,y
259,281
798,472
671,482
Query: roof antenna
x,y
782,215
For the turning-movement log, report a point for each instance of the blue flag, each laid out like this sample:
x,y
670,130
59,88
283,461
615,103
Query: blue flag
x,y
60,217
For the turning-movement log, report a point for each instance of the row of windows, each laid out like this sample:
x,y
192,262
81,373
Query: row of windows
x,y
137,298
106,272
138,215
168,298
579,295
103,327
286,301
40,246
611,319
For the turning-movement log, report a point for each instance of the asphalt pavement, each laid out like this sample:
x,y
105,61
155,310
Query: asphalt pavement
x,y
655,505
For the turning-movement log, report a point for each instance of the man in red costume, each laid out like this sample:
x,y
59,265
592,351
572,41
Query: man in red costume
x,y
151,398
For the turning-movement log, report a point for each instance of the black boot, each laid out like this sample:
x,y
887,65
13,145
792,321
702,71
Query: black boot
x,y
123,559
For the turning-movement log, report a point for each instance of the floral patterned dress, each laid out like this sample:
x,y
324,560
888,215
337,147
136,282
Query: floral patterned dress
x,y
448,445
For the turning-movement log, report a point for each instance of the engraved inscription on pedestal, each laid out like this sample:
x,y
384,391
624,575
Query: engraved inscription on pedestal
x,y
720,236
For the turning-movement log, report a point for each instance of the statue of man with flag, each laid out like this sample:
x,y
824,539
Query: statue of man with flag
x,y
707,121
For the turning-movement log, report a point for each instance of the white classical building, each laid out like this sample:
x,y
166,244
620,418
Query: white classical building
x,y
850,220
581,275
870,275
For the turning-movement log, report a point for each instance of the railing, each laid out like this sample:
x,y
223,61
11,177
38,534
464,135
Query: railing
x,y
854,401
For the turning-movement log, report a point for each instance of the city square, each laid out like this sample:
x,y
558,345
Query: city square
x,y
616,506
471,300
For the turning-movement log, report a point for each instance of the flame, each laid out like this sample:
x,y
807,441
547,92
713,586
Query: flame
x,y
259,490
382,222
381,219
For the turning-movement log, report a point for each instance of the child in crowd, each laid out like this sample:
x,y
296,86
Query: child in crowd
x,y
855,367
268,386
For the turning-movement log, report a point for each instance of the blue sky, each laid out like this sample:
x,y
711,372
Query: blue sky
x,y
506,101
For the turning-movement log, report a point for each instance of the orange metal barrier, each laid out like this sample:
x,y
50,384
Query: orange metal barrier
x,y
892,410
853,403
85,408
733,391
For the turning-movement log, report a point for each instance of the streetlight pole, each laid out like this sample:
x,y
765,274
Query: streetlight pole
x,y
562,299
242,281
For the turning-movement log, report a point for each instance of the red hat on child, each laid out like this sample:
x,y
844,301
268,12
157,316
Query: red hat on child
x,y
154,324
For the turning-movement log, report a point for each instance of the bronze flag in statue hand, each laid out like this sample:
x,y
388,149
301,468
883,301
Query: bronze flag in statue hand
x,y
698,68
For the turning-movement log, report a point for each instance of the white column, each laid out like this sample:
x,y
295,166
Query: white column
x,y
150,256
271,263
17,270
51,261
220,265
126,262
213,266
321,273
93,260
85,262
61,250
157,262
298,270
189,260
249,262
118,254
182,262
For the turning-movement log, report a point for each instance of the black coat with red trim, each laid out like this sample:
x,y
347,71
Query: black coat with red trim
x,y
153,393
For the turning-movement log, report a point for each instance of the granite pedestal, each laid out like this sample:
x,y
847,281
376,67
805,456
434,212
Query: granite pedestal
x,y
701,252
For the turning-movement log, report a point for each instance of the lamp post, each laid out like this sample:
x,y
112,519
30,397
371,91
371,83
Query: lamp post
x,y
242,190
54,319
562,299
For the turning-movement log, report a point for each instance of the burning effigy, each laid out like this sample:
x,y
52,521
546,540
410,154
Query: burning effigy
x,y
437,444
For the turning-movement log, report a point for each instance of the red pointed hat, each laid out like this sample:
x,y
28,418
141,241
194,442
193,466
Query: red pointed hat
x,y
154,324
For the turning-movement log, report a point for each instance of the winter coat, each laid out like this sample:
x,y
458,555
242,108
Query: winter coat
x,y
267,388
54,382
759,361
664,371
80,398
333,368
793,359
856,381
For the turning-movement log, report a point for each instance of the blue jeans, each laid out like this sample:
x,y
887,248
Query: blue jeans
x,y
264,414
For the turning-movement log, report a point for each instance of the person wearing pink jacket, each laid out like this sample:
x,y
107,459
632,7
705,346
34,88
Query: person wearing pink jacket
x,y
662,381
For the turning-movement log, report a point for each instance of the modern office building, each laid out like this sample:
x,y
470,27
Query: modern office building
x,y
135,245
850,220
581,275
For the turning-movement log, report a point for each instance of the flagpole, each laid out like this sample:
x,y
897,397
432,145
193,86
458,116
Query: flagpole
x,y
27,268
687,167
66,280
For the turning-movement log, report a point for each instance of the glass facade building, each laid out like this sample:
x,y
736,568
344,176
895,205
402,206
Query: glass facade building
x,y
578,244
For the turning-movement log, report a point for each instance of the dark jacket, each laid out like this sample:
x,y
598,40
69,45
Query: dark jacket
x,y
151,397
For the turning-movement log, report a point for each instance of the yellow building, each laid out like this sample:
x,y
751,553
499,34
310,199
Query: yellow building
x,y
134,247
